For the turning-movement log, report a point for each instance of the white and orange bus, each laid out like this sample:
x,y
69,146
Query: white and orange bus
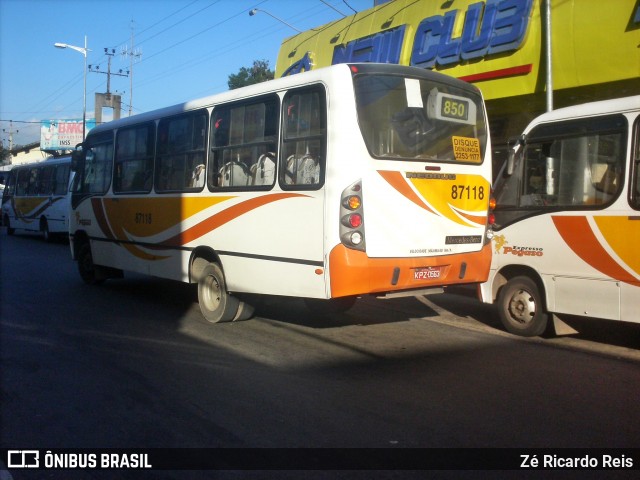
x,y
326,185
567,227
36,197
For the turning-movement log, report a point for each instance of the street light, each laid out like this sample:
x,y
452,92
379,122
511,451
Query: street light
x,y
83,51
256,10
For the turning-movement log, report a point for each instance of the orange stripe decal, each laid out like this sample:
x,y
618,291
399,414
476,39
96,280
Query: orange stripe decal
x,y
98,212
622,235
396,181
578,235
479,219
223,217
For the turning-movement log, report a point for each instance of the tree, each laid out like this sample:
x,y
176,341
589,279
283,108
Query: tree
x,y
4,155
258,73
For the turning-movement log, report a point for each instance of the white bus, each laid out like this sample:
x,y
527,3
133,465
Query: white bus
x,y
36,197
326,185
567,228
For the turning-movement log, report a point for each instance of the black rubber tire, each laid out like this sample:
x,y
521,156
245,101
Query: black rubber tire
x,y
86,268
216,304
6,223
521,308
44,229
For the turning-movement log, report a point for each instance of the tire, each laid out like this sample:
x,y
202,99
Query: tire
x,y
44,228
330,306
521,308
216,304
10,231
86,268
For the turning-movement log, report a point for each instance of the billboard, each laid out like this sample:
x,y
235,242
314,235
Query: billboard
x,y
62,134
497,44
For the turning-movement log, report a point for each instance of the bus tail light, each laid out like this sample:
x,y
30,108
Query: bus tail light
x,y
352,217
491,219
492,207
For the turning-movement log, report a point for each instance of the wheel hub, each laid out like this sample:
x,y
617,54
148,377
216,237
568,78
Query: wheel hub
x,y
522,306
212,292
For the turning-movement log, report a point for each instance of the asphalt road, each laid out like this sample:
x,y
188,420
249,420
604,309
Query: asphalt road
x,y
131,364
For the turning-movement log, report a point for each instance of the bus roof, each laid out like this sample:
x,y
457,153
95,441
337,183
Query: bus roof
x,y
45,161
277,85
617,105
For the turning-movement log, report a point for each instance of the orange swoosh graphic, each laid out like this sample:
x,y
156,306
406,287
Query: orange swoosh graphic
x,y
396,181
223,217
579,236
479,219
622,235
101,218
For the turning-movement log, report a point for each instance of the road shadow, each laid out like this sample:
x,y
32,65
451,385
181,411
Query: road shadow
x,y
462,302
167,299
368,310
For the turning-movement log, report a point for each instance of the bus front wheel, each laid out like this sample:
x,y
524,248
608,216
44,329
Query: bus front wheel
x,y
521,308
44,228
6,222
216,304
86,268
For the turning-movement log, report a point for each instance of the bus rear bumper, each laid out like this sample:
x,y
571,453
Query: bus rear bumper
x,y
352,272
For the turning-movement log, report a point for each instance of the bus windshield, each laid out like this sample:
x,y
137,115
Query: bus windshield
x,y
417,119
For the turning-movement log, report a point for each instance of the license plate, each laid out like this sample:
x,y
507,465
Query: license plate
x,y
426,273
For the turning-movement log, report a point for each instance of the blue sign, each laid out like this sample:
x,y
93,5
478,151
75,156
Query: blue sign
x,y
502,28
381,47
490,27
303,65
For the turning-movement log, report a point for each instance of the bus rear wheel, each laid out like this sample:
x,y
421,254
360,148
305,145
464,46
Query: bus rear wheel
x,y
216,303
521,309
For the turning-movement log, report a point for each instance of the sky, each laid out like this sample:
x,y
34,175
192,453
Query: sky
x,y
183,49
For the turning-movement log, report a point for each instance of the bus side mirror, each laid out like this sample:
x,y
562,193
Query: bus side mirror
x,y
510,162
513,151
76,156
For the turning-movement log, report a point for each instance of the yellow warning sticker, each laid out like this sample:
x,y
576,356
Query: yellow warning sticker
x,y
466,149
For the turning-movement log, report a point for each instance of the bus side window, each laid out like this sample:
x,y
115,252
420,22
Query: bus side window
x,y
635,165
96,170
134,159
181,152
244,145
44,180
304,139
32,188
22,182
10,187
62,180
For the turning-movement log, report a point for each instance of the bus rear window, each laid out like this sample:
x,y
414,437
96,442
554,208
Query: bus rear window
x,y
416,119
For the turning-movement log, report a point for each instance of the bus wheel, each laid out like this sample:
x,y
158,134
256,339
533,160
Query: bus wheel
x,y
86,268
216,304
330,306
10,231
44,228
521,309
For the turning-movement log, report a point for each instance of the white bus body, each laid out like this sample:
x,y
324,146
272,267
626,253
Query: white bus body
x,y
36,197
568,219
330,184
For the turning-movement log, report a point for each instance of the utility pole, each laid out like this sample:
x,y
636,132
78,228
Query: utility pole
x,y
107,99
133,56
120,73
10,134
